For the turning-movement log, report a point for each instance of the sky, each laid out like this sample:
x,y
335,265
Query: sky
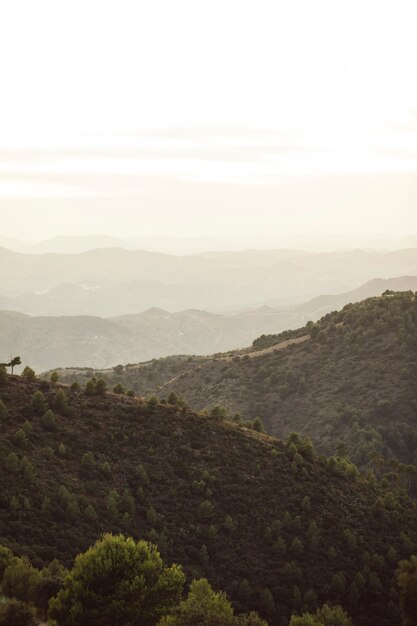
x,y
195,118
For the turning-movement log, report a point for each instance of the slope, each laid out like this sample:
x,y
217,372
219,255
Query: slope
x,y
276,526
352,384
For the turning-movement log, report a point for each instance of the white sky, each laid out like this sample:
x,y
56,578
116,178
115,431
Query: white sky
x,y
207,116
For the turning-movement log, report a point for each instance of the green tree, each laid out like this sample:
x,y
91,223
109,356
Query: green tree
x,y
13,362
219,412
38,403
117,581
19,438
267,604
101,386
205,607
3,411
60,401
87,462
29,373
229,523
54,377
172,398
324,616
6,557
407,582
119,389
90,388
257,425
12,462
279,547
153,402
20,579
48,420
205,509
3,374
296,546
17,613
112,504
51,581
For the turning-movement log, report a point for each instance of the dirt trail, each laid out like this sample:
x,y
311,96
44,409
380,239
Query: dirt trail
x,y
251,355
276,346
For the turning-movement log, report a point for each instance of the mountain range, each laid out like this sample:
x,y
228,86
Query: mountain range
x,y
72,244
114,281
48,342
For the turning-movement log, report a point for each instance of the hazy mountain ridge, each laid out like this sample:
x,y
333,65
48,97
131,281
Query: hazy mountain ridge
x,y
116,281
86,341
73,244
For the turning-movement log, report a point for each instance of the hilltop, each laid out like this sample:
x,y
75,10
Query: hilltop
x,y
347,381
276,526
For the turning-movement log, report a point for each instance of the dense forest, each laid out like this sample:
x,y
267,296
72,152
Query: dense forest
x,y
277,527
348,382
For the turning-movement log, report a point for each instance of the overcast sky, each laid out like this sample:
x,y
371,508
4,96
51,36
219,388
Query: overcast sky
x,y
197,117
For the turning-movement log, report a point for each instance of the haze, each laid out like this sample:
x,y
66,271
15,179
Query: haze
x,y
223,120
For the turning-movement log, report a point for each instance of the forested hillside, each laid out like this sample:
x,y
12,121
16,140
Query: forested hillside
x,y
280,529
348,381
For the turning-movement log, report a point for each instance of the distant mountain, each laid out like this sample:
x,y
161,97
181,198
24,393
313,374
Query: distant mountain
x,y
408,242
12,244
65,244
47,342
114,281
350,379
315,308
87,341
73,244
